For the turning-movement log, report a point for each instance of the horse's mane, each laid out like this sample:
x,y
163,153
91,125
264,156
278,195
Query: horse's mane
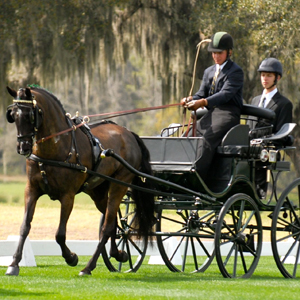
x,y
35,87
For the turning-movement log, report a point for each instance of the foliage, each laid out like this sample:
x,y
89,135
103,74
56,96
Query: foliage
x,y
83,50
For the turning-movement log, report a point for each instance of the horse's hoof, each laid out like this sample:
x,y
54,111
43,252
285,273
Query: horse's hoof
x,y
73,260
122,256
85,273
12,271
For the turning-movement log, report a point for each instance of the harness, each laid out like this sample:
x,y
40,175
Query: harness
x,y
96,155
95,143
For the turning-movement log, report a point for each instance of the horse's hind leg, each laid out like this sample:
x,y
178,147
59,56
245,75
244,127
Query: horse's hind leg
x,y
116,193
60,236
119,255
91,265
30,204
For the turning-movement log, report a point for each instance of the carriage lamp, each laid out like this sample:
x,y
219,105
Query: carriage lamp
x,y
264,155
272,156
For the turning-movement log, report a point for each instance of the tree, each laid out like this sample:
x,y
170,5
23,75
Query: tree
x,y
83,50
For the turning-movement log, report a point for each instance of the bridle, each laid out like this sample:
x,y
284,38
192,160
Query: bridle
x,y
35,116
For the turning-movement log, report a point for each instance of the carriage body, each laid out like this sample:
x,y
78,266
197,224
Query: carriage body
x,y
197,220
225,208
234,166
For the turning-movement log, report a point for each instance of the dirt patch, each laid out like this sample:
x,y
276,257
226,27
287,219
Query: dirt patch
x,y
83,224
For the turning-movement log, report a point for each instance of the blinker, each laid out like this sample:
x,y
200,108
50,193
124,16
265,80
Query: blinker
x,y
9,118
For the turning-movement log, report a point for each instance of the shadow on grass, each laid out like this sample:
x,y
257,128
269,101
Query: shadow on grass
x,y
18,293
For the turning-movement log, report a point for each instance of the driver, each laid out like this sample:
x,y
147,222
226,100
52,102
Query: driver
x,y
221,93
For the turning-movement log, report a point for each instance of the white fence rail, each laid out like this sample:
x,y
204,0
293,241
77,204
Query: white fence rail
x,y
34,248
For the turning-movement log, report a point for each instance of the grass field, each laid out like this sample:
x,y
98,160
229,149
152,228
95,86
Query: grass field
x,y
52,279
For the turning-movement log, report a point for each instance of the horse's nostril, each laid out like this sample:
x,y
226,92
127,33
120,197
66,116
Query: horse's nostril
x,y
24,148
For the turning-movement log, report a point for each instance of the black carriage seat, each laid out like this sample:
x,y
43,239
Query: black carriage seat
x,y
237,140
259,112
236,143
282,137
248,110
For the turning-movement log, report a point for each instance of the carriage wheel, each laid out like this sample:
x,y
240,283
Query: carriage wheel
x,y
285,231
180,239
238,240
126,240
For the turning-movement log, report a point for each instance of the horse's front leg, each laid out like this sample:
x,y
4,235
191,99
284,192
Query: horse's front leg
x,y
60,236
30,204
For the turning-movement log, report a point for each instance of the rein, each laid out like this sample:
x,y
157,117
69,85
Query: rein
x,y
86,119
132,111
74,127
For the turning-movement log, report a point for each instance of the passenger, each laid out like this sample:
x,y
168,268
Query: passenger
x,y
221,93
270,73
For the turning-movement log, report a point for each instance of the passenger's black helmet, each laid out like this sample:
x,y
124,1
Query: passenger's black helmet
x,y
271,65
220,41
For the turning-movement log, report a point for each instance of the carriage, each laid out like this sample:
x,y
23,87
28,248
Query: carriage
x,y
195,220
220,217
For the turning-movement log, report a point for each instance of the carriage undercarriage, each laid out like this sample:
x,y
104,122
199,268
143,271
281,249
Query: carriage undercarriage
x,y
222,218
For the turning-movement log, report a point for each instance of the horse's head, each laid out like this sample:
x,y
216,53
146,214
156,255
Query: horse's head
x,y
28,118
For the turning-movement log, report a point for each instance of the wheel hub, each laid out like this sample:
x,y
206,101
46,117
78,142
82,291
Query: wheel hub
x,y
246,241
193,222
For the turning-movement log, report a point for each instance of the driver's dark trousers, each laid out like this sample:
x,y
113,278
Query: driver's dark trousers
x,y
212,127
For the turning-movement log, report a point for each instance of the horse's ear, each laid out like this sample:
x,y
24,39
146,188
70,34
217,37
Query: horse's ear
x,y
12,92
28,93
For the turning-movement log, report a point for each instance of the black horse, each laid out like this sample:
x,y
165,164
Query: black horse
x,y
57,163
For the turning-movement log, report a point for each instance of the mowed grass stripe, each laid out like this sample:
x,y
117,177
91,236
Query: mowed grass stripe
x,y
52,279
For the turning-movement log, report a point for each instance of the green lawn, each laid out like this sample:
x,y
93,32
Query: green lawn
x,y
13,193
52,279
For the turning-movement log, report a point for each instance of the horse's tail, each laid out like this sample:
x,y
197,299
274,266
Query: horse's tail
x,y
144,201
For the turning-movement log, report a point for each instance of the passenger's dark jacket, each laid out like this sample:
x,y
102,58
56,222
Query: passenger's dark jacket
x,y
283,109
